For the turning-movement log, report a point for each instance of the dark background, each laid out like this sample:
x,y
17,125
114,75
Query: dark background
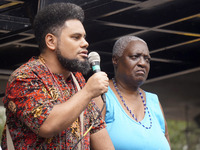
x,y
170,27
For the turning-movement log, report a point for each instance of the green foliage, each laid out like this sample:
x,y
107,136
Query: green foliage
x,y
183,135
2,120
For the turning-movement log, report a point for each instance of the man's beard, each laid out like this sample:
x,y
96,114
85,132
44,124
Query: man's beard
x,y
73,65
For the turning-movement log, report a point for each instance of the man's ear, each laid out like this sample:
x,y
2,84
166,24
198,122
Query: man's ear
x,y
51,41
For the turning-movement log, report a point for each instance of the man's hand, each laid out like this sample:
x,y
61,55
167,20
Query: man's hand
x,y
97,84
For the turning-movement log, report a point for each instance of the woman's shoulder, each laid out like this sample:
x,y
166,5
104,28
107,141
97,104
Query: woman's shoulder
x,y
152,99
150,93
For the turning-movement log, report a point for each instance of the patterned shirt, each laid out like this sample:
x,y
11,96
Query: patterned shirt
x,y
30,96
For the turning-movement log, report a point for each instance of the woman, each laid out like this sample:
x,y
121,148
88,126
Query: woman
x,y
134,117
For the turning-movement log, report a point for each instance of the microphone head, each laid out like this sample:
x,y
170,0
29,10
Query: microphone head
x,y
93,56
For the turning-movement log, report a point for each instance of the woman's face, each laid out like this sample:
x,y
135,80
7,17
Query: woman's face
x,y
134,64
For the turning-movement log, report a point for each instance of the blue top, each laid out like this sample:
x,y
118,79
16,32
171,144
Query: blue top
x,y
127,134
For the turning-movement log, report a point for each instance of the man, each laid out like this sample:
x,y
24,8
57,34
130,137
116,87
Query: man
x,y
45,110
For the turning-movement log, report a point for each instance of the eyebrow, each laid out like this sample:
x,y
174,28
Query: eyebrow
x,y
140,53
77,33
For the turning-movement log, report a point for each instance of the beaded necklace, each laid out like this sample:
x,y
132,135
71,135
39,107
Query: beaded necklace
x,y
145,106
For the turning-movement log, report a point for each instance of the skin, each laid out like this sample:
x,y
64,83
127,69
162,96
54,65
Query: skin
x,y
131,71
72,44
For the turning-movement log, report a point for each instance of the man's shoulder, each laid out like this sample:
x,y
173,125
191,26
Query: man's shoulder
x,y
26,70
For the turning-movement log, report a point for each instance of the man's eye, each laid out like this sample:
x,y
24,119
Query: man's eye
x,y
76,37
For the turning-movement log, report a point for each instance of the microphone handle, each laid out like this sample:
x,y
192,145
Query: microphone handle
x,y
96,68
103,96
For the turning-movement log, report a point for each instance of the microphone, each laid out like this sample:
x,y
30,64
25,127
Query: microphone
x,y
94,60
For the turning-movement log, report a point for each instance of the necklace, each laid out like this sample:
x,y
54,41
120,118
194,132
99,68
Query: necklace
x,y
132,114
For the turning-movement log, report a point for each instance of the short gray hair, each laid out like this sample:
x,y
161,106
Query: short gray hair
x,y
121,44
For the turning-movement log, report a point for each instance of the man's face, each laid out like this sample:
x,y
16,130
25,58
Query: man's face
x,y
73,65
72,47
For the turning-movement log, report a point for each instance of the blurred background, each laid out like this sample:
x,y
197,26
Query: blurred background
x,y
171,29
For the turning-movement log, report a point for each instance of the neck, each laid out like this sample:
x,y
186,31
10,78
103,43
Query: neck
x,y
126,87
128,91
53,65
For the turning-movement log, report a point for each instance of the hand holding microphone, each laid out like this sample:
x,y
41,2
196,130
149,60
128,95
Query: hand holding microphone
x,y
94,60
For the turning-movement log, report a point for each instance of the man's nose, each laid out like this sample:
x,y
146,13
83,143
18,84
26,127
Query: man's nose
x,y
84,43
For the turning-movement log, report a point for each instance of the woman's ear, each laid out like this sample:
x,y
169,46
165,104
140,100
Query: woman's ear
x,y
51,41
114,60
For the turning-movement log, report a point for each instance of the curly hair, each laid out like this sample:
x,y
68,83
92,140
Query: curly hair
x,y
52,18
121,44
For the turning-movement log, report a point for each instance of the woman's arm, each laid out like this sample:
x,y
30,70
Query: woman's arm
x,y
166,129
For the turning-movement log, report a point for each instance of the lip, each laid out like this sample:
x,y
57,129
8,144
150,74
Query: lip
x,y
141,72
84,53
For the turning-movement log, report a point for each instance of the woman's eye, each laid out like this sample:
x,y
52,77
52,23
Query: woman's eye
x,y
135,56
148,59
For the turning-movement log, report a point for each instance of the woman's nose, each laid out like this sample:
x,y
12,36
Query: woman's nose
x,y
142,61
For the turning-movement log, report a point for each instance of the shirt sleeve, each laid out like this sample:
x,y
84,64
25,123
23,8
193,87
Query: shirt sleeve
x,y
95,117
28,99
